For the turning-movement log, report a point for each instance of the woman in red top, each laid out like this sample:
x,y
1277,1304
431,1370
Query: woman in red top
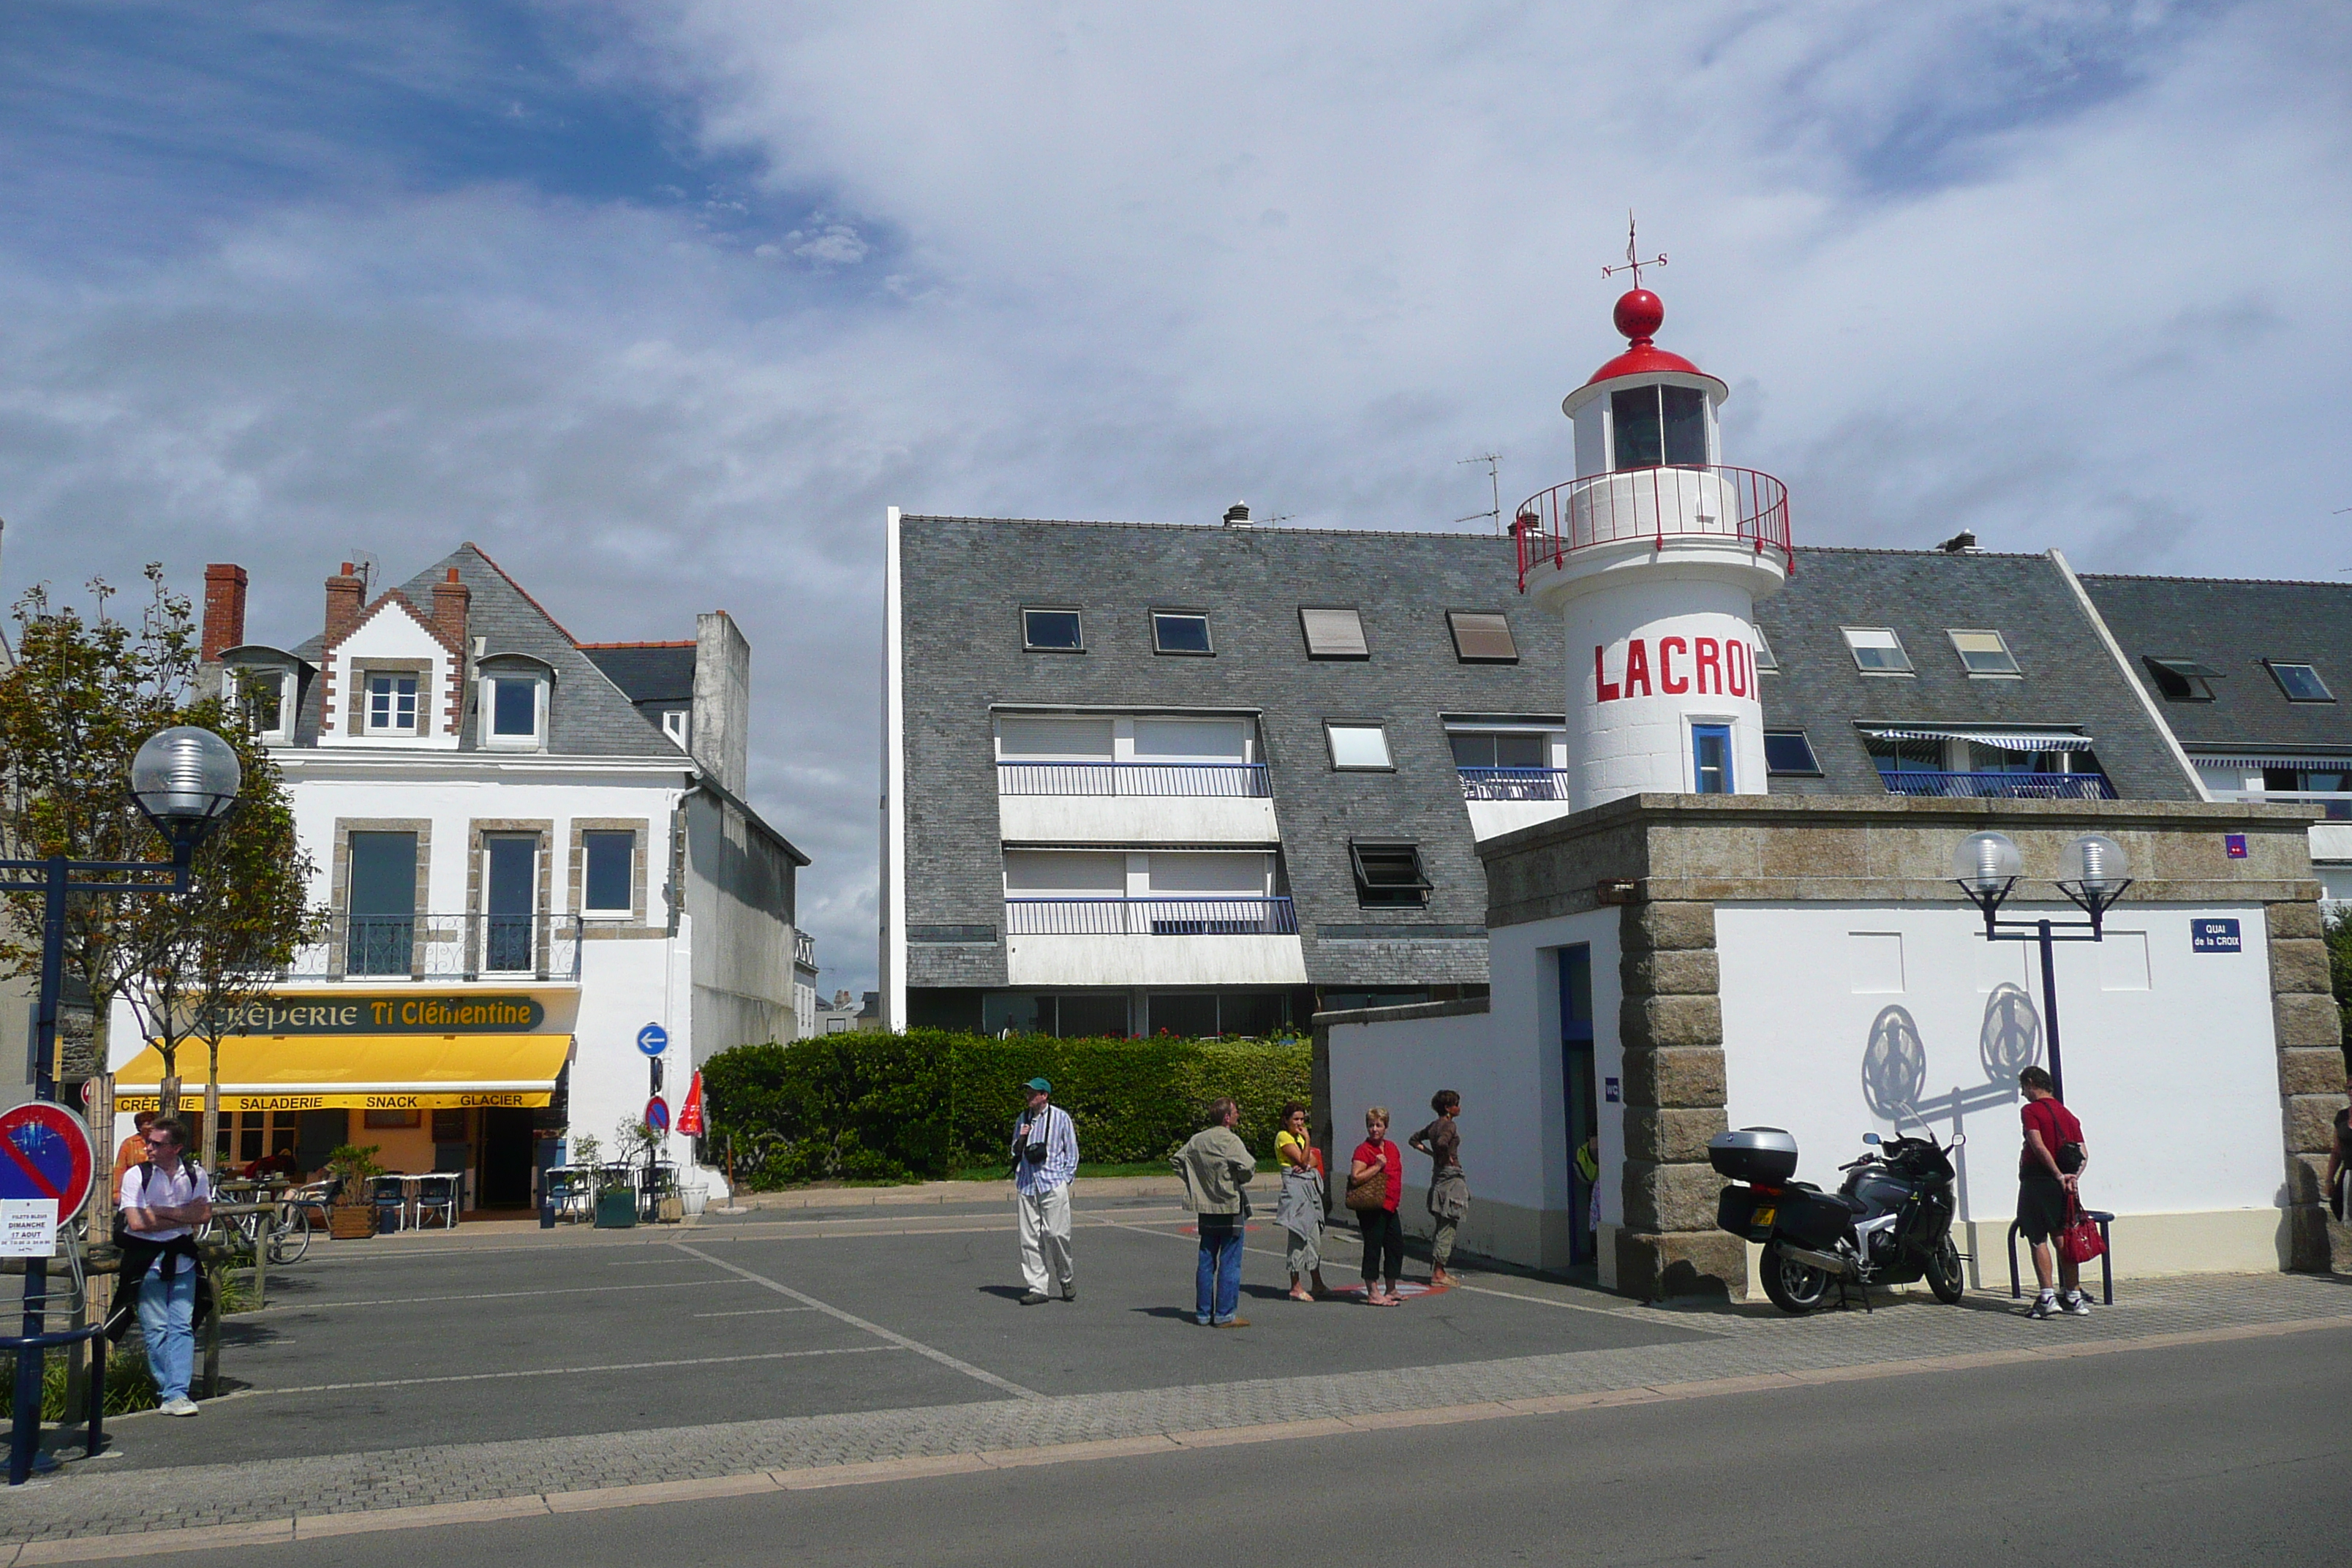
x,y
1383,1231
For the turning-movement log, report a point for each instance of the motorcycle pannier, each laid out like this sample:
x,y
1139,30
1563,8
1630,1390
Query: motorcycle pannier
x,y
1763,1154
1735,1211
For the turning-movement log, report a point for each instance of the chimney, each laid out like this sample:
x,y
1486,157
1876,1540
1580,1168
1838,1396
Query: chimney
x,y
224,609
450,599
720,728
1237,515
343,593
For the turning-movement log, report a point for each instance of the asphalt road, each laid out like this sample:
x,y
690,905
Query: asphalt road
x,y
2231,1453
372,1346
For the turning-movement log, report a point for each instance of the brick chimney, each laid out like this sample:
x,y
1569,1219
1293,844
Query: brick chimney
x,y
343,591
451,599
224,609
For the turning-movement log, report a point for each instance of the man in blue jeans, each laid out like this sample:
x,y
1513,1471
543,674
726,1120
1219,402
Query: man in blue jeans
x,y
163,1200
1216,1165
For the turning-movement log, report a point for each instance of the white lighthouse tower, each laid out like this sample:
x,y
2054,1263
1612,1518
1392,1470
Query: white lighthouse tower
x,y
1654,557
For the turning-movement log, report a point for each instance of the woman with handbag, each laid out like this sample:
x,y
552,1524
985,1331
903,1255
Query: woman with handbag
x,y
1375,1183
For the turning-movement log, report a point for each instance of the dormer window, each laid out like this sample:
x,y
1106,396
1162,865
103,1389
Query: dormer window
x,y
1651,426
677,723
264,699
514,693
392,702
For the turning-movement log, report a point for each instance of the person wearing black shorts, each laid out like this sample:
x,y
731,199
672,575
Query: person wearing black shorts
x,y
2049,1169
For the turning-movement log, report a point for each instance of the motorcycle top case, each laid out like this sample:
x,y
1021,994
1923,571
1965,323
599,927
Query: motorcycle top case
x,y
1763,1154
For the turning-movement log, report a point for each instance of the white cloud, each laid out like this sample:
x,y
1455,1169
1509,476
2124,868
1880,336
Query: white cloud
x,y
2066,275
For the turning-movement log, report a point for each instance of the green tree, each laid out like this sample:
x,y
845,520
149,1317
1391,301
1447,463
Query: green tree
x,y
84,692
247,912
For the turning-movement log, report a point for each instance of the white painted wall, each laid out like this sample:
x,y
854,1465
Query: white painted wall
x,y
1156,960
2169,1054
1136,819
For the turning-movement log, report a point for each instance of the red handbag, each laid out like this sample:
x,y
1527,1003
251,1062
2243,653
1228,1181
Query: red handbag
x,y
2080,1242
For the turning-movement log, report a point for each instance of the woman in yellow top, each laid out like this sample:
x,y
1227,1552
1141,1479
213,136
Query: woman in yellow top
x,y
1300,1210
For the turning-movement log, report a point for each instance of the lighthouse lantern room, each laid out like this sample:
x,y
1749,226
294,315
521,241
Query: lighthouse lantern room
x,y
1654,557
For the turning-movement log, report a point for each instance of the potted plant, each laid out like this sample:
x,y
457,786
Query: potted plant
x,y
350,1216
616,1197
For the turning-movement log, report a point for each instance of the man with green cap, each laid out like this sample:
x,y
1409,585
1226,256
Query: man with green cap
x,y
1045,1158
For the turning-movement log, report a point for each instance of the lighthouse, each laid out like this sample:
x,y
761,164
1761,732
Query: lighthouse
x,y
1654,557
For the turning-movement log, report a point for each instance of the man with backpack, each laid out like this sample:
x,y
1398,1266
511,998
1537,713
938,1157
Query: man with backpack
x,y
163,1200
2049,1171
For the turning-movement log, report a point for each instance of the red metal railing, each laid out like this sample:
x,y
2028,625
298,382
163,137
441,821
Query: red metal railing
x,y
1680,502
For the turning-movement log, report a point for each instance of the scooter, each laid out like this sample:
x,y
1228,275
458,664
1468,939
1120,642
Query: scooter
x,y
1890,1223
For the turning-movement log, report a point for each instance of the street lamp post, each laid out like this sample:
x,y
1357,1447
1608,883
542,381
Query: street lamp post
x,y
183,780
1987,866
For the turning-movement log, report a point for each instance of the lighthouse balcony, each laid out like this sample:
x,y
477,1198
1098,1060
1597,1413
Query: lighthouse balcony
x,y
1691,504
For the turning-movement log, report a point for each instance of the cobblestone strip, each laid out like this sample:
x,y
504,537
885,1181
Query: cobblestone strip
x,y
1769,1352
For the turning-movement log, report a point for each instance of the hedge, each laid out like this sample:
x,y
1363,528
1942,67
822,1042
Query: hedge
x,y
868,1106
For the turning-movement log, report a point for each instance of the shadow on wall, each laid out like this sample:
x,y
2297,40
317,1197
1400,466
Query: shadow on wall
x,y
1894,1065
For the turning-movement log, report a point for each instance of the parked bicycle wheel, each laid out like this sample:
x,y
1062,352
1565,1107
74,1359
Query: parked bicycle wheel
x,y
291,1238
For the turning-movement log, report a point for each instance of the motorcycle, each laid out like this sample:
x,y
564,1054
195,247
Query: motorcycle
x,y
1889,1223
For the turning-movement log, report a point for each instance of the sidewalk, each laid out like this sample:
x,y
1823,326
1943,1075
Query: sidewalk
x,y
88,1514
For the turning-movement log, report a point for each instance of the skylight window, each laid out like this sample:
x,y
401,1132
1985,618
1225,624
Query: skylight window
x,y
1480,637
1333,633
2181,679
1180,631
1360,747
1789,753
1876,650
1984,653
1389,876
2301,682
1051,631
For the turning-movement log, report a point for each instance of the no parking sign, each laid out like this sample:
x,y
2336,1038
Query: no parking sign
x,y
46,1167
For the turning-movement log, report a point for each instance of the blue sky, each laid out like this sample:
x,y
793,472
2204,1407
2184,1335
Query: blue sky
x,y
663,303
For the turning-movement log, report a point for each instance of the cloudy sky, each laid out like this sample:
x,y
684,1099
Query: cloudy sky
x,y
663,303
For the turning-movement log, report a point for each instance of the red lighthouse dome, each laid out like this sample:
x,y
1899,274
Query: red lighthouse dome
x,y
1639,315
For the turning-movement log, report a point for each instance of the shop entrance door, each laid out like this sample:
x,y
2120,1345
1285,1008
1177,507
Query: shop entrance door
x,y
507,1141
1577,1086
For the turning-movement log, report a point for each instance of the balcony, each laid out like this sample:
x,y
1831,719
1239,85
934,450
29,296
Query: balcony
x,y
2338,802
1150,917
1998,785
803,949
1514,783
1232,781
1689,502
541,947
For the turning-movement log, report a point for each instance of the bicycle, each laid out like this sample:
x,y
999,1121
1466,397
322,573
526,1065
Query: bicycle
x,y
289,1230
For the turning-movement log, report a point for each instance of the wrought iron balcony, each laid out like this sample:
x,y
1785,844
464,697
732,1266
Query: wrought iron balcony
x,y
540,947
1683,501
1998,785
803,949
1514,783
1150,917
1239,780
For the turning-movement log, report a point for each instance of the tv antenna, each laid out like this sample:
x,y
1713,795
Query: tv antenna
x,y
1633,262
363,564
1494,487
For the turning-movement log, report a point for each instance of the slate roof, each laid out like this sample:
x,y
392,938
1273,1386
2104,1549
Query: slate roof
x,y
2071,680
589,714
2232,627
965,579
647,672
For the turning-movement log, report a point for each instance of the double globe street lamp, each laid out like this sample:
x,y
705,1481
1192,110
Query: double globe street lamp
x,y
1988,866
184,781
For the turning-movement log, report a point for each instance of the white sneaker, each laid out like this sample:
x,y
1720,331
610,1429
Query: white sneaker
x,y
2078,1304
2044,1305
183,1405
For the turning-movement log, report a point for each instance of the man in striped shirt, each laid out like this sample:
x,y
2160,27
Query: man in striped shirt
x,y
1045,1158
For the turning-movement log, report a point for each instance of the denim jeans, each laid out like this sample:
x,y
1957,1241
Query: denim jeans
x,y
167,1310
1217,1282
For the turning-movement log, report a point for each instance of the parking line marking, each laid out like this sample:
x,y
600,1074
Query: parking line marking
x,y
499,1295
901,1341
756,1312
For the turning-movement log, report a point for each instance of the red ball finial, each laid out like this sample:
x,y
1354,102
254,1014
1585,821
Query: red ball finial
x,y
1639,315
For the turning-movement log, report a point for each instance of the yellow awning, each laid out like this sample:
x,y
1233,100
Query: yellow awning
x,y
359,1072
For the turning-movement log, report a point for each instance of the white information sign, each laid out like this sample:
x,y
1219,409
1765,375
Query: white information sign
x,y
28,1228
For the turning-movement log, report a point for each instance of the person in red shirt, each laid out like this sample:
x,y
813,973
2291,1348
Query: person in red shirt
x,y
1383,1231
2049,1173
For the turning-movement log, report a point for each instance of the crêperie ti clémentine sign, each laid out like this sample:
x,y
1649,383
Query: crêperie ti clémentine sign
x,y
385,1016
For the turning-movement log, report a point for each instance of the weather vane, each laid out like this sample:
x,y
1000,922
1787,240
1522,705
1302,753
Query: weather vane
x,y
1634,263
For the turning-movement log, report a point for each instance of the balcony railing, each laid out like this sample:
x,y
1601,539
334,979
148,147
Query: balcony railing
x,y
1685,502
803,949
1150,917
2339,804
1514,783
1241,780
2000,787
442,947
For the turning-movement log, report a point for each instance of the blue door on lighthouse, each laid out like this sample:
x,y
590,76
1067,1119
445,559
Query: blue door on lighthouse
x,y
1577,1085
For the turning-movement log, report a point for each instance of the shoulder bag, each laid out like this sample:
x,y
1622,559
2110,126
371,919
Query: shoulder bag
x,y
1370,1192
